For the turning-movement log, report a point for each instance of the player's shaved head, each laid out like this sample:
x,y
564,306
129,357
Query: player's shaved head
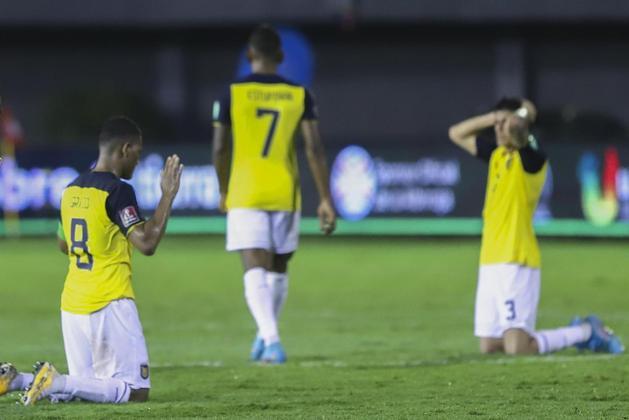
x,y
117,131
266,42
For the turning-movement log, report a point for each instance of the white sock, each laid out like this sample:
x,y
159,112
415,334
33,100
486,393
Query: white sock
x,y
260,301
560,338
105,390
60,398
278,283
21,381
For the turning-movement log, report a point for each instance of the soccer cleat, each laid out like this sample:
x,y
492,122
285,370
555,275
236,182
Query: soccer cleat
x,y
273,354
603,339
257,349
7,374
44,376
576,321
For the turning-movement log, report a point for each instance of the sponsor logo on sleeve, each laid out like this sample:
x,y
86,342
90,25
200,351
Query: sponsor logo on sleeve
x,y
129,216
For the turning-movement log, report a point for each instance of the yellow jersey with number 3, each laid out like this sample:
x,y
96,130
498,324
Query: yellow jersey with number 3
x,y
98,210
264,113
514,185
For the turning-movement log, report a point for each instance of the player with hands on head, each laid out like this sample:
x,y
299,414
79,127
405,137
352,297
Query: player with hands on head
x,y
508,288
255,123
100,222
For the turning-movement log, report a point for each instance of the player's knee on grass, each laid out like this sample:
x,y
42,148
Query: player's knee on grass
x,y
490,345
280,262
139,395
517,341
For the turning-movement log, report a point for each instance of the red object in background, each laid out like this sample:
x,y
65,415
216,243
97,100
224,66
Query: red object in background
x,y
10,129
610,169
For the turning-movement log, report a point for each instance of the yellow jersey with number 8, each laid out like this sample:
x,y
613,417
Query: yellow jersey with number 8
x,y
264,112
98,211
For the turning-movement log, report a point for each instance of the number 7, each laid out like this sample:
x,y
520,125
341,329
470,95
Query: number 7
x,y
261,112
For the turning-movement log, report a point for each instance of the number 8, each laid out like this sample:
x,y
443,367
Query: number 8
x,y
80,244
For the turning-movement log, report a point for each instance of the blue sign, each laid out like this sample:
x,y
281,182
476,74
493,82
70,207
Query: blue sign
x,y
354,183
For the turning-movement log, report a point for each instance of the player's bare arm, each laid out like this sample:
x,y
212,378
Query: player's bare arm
x,y
146,237
464,134
221,156
315,154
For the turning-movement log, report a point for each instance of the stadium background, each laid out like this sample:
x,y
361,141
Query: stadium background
x,y
388,78
374,327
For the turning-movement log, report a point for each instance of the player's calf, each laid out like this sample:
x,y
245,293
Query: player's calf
x,y
48,381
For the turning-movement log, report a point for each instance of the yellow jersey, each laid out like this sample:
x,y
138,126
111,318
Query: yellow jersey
x,y
98,210
264,112
514,185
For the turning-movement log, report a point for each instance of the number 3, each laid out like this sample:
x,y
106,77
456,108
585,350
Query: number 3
x,y
511,308
80,244
261,112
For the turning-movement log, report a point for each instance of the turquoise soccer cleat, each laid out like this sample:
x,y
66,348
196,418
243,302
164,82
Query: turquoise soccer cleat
x,y
603,339
257,348
274,354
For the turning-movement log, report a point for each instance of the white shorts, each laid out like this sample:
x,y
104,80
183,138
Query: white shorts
x,y
275,231
107,344
506,297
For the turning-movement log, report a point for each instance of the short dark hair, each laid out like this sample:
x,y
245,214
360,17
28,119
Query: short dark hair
x,y
119,129
267,42
508,104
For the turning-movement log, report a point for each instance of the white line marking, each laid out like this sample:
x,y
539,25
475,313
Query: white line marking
x,y
415,363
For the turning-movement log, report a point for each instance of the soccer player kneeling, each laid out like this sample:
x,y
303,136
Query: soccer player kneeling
x,y
509,275
103,338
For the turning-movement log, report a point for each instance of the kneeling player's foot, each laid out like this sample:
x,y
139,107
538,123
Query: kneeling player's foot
x,y
274,354
603,338
44,377
257,349
8,372
577,321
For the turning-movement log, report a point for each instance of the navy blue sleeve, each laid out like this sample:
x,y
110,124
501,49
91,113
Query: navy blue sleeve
x,y
122,207
310,107
484,148
221,109
532,156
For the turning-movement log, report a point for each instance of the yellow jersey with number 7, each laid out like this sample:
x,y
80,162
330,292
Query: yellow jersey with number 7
x,y
264,113
98,211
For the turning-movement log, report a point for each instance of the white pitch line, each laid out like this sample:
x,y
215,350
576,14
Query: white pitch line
x,y
414,363
201,363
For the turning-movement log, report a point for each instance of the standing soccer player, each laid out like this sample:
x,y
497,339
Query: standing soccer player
x,y
259,181
509,277
100,220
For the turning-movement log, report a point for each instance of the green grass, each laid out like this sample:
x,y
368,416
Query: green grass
x,y
378,328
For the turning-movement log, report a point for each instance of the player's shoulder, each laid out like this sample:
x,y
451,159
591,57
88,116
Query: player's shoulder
x,y
266,79
104,181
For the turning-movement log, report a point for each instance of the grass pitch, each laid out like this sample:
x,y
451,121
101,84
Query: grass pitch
x,y
374,328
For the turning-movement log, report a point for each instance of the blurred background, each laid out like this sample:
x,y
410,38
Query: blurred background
x,y
389,78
